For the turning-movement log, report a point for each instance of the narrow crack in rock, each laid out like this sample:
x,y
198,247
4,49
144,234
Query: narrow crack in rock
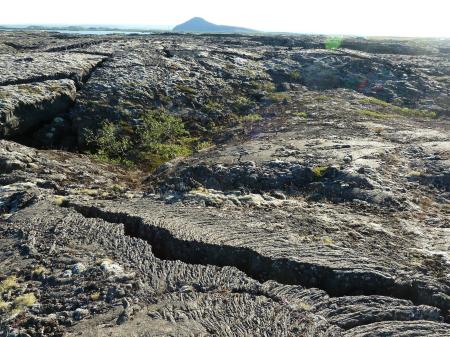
x,y
79,80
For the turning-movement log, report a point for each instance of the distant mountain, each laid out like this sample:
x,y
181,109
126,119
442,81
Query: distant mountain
x,y
199,25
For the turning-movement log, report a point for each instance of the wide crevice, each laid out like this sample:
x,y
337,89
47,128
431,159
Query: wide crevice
x,y
336,282
33,135
78,45
42,78
64,137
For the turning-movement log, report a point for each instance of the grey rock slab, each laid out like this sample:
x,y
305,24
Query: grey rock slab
x,y
26,107
222,300
36,67
400,329
231,238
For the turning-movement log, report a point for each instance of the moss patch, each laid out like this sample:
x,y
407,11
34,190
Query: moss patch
x,y
186,89
371,113
300,114
250,118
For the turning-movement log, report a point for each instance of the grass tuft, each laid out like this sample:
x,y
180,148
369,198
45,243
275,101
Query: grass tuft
x,y
8,283
25,300
319,171
250,118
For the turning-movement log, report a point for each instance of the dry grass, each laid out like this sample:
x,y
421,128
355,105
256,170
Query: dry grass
x,y
8,283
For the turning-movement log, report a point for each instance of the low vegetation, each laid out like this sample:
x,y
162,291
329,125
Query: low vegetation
x,y
295,75
415,112
319,171
263,85
394,109
212,106
371,113
157,138
186,89
279,96
375,101
300,114
250,118
241,103
8,283
18,302
333,42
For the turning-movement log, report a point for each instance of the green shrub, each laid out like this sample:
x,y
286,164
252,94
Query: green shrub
x,y
212,106
109,141
25,300
263,85
322,98
158,137
333,42
241,102
203,145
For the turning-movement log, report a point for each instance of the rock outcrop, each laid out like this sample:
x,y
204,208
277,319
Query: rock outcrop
x,y
25,107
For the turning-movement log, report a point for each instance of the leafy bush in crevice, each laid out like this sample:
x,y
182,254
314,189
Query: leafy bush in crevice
x,y
155,139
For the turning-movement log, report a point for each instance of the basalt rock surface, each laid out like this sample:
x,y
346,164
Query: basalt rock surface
x,y
316,210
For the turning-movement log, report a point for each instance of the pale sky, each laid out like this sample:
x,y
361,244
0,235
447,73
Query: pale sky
x,y
359,17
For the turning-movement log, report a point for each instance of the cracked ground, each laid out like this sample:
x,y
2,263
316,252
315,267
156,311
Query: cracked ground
x,y
321,207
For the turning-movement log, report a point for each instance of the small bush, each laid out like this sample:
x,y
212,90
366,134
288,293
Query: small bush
x,y
241,102
111,142
263,85
4,94
327,240
322,98
203,145
212,106
59,200
333,42
4,306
